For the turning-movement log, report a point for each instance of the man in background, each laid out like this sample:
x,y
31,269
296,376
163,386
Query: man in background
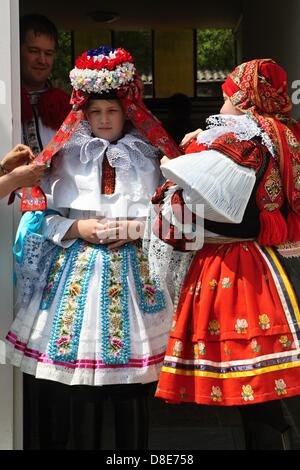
x,y
44,109
43,106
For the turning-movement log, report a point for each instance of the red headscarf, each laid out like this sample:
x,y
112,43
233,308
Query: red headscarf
x,y
258,88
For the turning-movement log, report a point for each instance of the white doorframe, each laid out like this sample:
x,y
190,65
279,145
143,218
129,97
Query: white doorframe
x,y
10,134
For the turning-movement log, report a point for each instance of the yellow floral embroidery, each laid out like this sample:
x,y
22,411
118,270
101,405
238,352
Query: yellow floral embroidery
x,y
144,270
114,290
216,394
245,247
52,276
280,387
241,326
247,393
192,289
214,327
213,284
64,340
285,342
264,322
177,349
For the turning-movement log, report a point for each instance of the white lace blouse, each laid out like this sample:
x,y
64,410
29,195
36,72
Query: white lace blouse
x,y
74,184
76,174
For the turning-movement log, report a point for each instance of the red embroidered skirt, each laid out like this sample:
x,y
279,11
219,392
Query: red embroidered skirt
x,y
235,335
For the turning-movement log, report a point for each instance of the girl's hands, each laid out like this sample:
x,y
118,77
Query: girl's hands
x,y
116,233
86,230
113,234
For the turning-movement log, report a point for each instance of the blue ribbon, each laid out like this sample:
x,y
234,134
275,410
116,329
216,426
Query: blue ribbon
x,y
30,222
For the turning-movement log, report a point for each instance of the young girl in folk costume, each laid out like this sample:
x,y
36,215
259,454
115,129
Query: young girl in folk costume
x,y
100,320
235,334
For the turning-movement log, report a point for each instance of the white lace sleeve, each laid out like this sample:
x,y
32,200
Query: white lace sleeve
x,y
55,228
213,181
166,266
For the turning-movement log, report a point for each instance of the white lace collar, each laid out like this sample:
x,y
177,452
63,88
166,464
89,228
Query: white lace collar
x,y
243,127
132,149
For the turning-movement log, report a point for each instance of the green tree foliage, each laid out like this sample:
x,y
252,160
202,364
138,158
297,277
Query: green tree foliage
x,y
139,44
215,49
63,62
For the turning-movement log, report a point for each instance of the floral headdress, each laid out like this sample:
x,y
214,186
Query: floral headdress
x,y
258,88
101,71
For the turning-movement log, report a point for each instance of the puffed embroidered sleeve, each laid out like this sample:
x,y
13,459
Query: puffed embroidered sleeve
x,y
212,180
218,180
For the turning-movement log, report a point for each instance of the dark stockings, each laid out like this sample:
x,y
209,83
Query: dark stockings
x,y
265,426
130,411
131,420
54,414
59,416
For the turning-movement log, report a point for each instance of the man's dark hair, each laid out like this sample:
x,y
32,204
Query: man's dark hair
x,y
39,24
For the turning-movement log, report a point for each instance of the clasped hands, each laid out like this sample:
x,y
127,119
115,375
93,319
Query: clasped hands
x,y
113,233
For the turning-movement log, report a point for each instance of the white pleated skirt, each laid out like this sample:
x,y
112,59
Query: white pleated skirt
x,y
100,320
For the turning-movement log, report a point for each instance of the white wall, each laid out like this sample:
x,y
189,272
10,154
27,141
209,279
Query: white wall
x,y
271,29
10,386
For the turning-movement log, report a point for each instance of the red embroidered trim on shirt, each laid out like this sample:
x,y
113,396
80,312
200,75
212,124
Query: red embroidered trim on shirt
x,y
108,177
248,153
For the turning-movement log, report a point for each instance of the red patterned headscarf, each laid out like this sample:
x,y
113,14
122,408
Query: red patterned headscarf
x,y
258,88
98,71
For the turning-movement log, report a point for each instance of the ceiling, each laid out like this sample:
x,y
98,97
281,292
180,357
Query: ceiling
x,y
138,14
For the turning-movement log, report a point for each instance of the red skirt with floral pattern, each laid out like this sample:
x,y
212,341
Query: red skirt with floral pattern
x,y
235,334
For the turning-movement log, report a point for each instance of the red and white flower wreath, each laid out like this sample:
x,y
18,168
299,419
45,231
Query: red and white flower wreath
x,y
103,70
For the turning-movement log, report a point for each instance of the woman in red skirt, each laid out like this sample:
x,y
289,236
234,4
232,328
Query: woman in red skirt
x,y
235,334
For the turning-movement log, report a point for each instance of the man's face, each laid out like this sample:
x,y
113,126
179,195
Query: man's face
x,y
37,58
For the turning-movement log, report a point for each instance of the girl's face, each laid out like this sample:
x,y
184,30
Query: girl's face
x,y
228,107
106,118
